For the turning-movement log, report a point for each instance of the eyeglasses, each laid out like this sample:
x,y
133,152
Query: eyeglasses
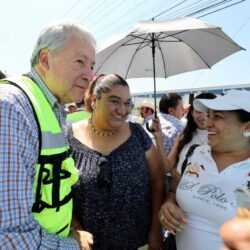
x,y
104,178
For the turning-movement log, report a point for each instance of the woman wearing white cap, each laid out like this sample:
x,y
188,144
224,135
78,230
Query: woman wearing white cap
x,y
205,197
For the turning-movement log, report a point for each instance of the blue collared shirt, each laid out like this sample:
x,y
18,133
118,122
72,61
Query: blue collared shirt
x,y
19,148
171,127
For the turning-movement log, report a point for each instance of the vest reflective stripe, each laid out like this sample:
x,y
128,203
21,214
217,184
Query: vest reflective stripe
x,y
51,140
55,171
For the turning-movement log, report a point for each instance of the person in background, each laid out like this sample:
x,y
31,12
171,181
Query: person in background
x,y
2,75
171,110
80,114
37,172
205,198
195,132
72,108
121,185
147,110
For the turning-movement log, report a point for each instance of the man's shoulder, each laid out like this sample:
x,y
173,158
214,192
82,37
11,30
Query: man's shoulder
x,y
169,119
13,97
9,92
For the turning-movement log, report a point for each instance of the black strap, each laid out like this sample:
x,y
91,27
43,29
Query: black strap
x,y
58,174
189,153
36,206
44,159
62,229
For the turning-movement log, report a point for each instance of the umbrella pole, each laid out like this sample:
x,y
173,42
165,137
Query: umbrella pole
x,y
153,55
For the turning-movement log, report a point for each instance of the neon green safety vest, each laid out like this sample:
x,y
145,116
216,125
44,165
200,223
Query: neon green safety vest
x,y
55,170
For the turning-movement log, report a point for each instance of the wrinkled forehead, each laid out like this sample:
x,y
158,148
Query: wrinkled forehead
x,y
81,45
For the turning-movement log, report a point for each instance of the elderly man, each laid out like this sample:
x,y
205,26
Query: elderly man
x,y
36,170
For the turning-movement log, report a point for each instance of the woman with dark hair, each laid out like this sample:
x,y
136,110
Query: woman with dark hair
x,y
121,185
195,131
205,195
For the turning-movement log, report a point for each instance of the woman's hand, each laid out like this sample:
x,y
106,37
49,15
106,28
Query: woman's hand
x,y
236,234
156,127
172,217
83,238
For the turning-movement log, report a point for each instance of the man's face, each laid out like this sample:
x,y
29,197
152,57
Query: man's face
x,y
178,111
72,109
143,111
70,70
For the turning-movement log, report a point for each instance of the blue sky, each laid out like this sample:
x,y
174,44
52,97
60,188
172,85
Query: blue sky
x,y
21,21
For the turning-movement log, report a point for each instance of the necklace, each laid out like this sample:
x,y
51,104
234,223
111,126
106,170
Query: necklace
x,y
100,133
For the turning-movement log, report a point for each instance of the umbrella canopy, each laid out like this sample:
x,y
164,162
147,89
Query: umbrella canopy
x,y
164,48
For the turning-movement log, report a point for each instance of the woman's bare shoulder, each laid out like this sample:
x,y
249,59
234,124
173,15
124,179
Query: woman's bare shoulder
x,y
79,126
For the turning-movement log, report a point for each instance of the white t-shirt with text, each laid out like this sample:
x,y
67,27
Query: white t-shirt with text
x,y
207,198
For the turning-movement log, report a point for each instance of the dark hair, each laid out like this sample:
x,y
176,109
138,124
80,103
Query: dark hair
x,y
170,100
191,125
102,84
243,115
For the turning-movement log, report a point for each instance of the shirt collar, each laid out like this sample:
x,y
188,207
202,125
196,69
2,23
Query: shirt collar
x,y
53,101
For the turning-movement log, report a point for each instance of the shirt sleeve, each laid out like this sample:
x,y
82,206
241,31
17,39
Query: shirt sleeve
x,y
18,156
143,137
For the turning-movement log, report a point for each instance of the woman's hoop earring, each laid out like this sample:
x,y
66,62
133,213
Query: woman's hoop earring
x,y
246,134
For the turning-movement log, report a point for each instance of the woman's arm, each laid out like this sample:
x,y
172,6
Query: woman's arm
x,y
162,157
171,215
157,196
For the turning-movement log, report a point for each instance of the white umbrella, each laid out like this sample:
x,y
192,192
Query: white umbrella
x,y
164,48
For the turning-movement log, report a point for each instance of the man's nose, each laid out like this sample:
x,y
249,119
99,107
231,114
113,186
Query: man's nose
x,y
88,75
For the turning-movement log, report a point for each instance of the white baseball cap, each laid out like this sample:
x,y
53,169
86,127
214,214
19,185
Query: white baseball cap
x,y
231,100
148,104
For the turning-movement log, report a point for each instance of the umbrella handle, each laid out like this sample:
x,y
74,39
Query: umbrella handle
x,y
151,130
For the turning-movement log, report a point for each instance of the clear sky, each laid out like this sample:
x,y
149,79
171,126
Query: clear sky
x,y
21,22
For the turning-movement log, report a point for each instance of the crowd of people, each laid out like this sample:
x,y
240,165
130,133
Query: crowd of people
x,y
94,179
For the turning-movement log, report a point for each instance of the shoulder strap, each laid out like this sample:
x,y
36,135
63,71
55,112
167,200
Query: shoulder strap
x,y
189,153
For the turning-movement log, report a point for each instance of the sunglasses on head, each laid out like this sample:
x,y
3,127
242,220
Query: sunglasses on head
x,y
104,177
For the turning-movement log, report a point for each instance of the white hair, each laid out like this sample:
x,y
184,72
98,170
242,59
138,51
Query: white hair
x,y
55,35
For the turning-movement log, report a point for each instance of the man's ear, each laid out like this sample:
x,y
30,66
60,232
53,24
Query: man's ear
x,y
170,111
44,59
